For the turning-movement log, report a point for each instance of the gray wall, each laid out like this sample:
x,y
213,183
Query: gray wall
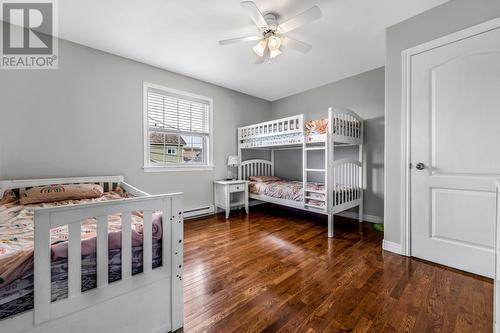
x,y
363,93
86,118
450,17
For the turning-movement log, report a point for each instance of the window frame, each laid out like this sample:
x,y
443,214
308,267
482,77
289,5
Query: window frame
x,y
147,166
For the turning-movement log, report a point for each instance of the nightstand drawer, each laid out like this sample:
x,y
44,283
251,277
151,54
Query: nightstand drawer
x,y
237,188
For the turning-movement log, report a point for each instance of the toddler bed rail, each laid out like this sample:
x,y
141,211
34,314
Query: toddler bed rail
x,y
156,293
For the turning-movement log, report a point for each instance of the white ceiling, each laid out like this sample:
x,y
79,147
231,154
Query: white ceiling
x,y
182,36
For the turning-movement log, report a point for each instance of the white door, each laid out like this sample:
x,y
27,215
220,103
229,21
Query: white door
x,y
455,152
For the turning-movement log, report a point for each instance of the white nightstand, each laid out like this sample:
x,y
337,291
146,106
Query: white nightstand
x,y
230,194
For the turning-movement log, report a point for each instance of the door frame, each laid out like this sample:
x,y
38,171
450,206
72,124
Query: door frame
x,y
406,57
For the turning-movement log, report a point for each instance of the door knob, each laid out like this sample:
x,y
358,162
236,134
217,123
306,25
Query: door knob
x,y
420,166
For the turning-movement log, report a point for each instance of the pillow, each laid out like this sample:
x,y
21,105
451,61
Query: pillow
x,y
51,193
263,179
8,196
319,126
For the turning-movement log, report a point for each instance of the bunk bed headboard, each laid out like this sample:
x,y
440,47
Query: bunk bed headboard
x,y
349,124
255,168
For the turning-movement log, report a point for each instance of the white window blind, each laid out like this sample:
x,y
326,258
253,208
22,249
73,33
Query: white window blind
x,y
171,113
177,129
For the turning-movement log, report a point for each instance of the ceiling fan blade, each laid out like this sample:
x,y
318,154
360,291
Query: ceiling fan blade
x,y
239,39
296,45
254,13
312,14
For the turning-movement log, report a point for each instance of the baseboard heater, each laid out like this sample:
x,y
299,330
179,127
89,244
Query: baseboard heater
x,y
198,212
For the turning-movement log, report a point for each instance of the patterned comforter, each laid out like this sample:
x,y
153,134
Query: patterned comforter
x,y
285,189
292,190
17,233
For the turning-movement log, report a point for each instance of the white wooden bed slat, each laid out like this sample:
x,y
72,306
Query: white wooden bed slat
x,y
126,245
42,267
147,241
102,251
74,259
166,234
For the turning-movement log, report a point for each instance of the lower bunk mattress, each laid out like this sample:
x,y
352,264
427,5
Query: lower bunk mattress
x,y
17,296
293,190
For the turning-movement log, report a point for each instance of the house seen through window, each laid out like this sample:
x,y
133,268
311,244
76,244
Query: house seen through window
x,y
178,128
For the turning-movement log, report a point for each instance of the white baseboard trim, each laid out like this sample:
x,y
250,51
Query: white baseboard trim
x,y
391,246
366,218
198,212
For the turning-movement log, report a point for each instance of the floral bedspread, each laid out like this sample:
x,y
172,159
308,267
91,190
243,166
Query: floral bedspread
x,y
292,190
284,189
17,232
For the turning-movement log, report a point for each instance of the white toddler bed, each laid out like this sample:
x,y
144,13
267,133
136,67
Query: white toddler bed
x,y
150,301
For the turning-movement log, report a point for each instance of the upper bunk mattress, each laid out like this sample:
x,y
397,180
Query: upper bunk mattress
x,y
17,233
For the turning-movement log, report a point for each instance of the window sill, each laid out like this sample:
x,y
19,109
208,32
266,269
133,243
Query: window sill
x,y
162,168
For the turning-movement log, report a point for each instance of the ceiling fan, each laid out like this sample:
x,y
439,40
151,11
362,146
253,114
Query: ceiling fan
x,y
273,34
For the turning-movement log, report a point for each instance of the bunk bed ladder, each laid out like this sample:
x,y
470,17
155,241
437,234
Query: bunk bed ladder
x,y
308,194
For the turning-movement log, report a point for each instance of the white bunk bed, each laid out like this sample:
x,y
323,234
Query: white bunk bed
x,y
150,301
343,179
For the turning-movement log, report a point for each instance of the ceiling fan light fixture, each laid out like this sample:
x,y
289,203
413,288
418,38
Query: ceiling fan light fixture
x,y
273,33
260,48
274,43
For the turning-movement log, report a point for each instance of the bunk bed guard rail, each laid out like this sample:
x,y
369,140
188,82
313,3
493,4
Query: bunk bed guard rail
x,y
289,125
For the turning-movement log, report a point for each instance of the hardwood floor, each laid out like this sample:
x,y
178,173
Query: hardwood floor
x,y
276,271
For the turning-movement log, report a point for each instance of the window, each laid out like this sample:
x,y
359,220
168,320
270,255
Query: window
x,y
177,130
172,151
